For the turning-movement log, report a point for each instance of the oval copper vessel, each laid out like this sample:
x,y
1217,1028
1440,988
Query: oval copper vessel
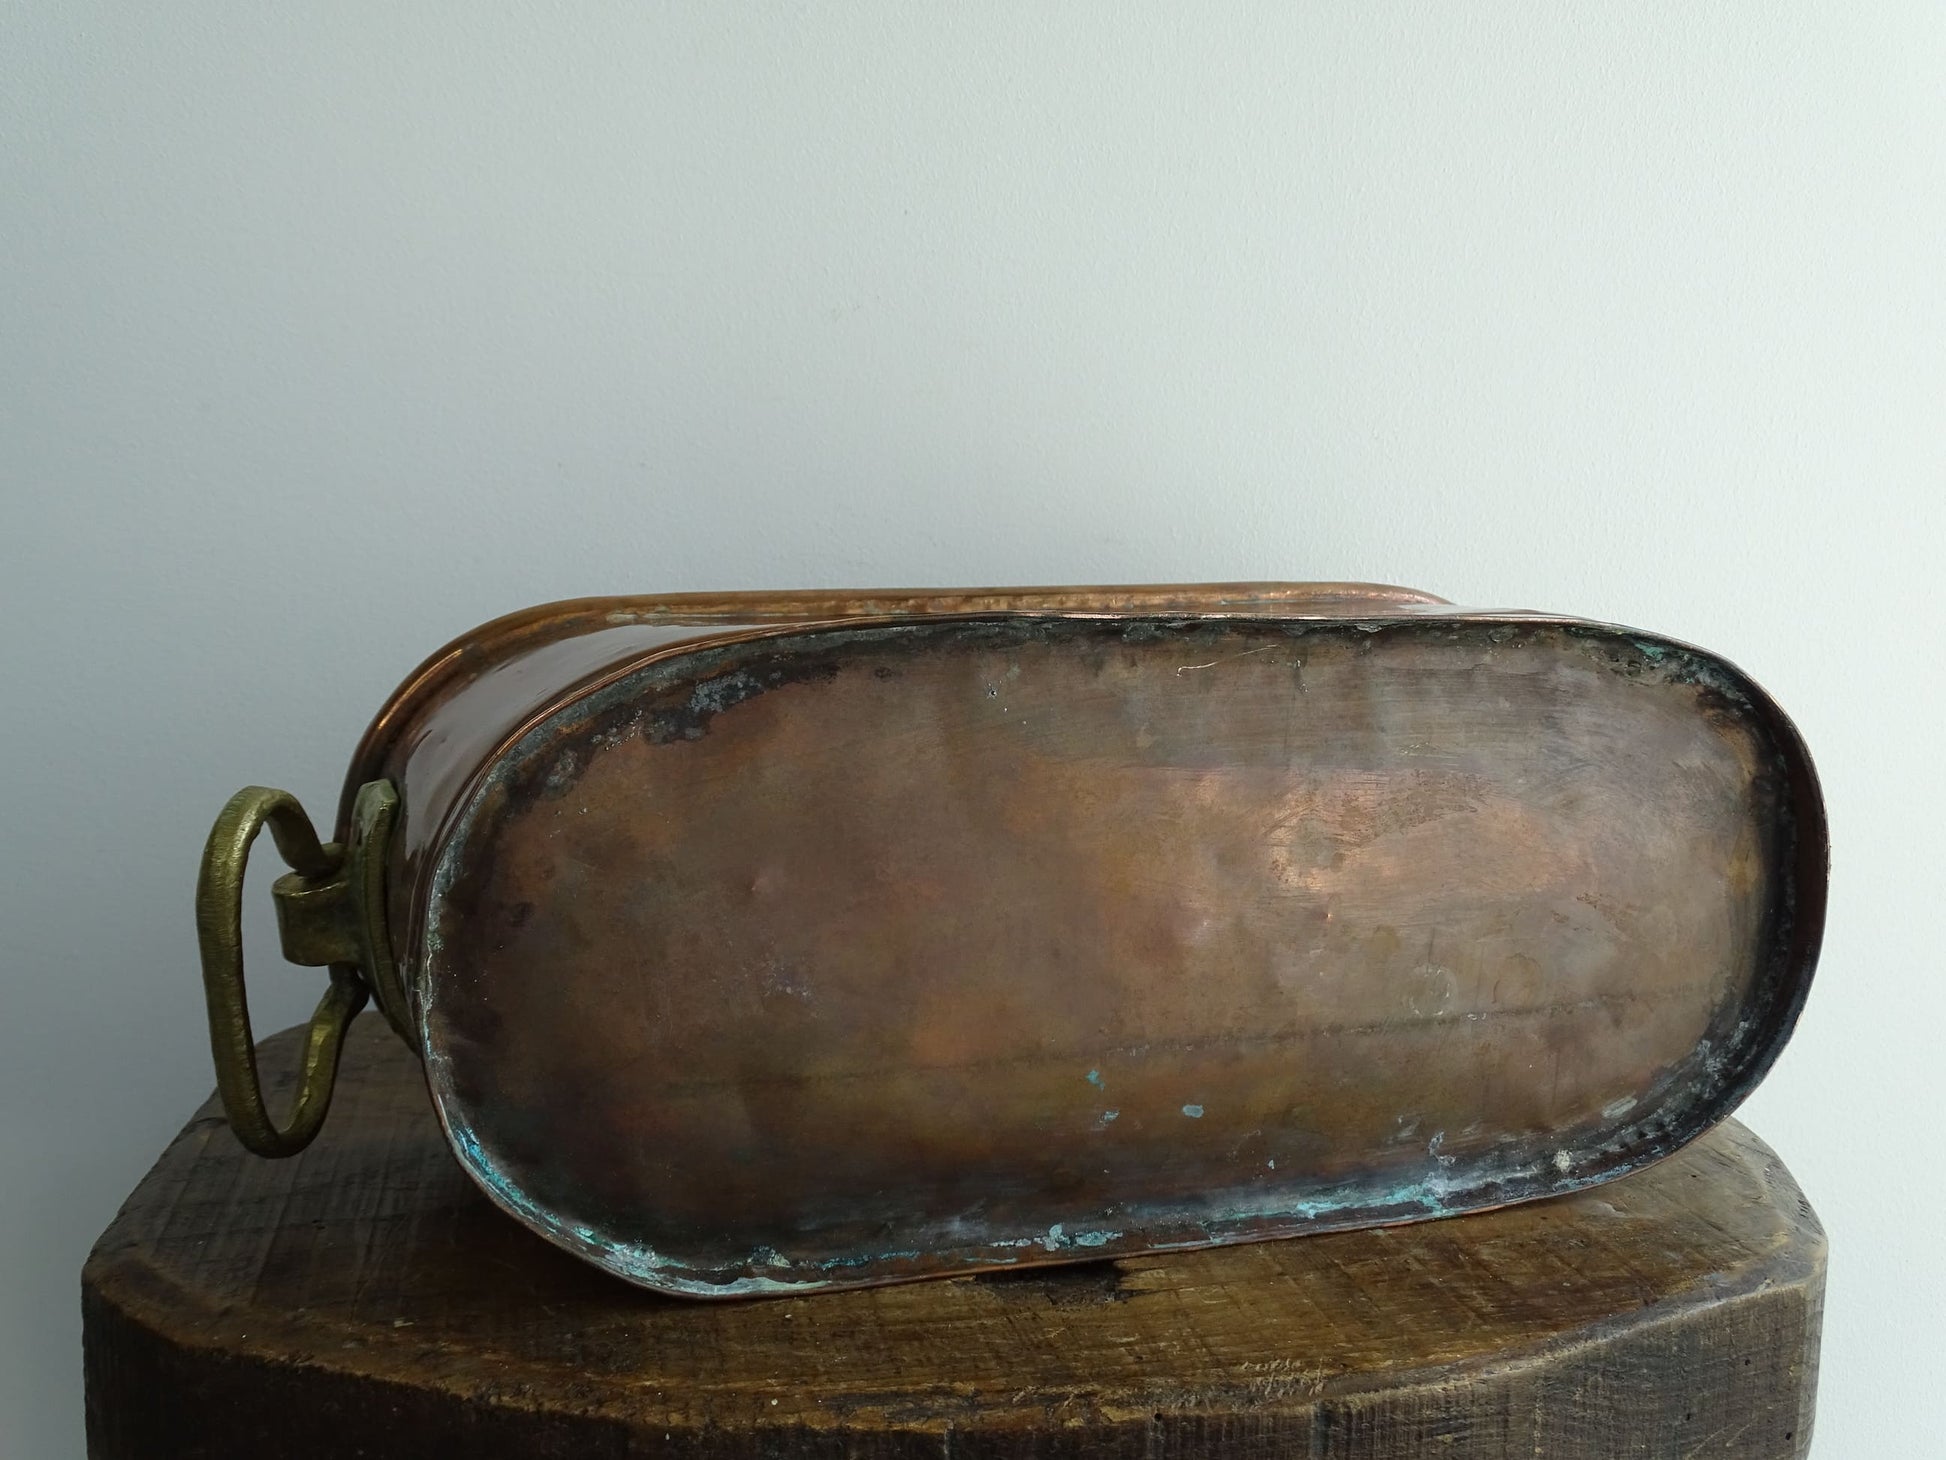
x,y
766,943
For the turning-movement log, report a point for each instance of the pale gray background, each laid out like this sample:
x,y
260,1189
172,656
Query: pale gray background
x,y
327,331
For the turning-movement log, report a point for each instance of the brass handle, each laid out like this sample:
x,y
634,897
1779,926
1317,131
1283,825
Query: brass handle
x,y
331,911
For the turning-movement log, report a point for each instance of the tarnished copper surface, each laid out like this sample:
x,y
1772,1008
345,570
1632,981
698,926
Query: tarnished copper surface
x,y
582,634
751,955
452,714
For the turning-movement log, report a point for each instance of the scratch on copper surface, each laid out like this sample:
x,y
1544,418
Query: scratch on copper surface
x,y
1227,658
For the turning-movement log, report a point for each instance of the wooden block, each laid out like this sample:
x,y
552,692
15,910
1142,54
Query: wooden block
x,y
363,1299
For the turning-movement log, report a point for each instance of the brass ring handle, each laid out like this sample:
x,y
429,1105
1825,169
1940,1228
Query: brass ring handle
x,y
219,929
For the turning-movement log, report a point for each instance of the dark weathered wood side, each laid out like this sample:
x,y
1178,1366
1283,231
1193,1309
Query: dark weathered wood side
x,y
362,1299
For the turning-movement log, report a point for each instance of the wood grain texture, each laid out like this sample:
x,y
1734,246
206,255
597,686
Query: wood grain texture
x,y
363,1299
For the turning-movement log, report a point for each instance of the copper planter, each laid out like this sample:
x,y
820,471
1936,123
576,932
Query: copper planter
x,y
762,943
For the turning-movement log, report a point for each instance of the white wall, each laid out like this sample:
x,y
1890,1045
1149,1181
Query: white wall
x,y
327,331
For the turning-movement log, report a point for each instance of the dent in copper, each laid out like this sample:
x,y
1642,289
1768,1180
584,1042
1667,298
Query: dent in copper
x,y
880,950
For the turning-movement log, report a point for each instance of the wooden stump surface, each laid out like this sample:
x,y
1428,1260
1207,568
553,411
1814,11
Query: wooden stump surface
x,y
362,1299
